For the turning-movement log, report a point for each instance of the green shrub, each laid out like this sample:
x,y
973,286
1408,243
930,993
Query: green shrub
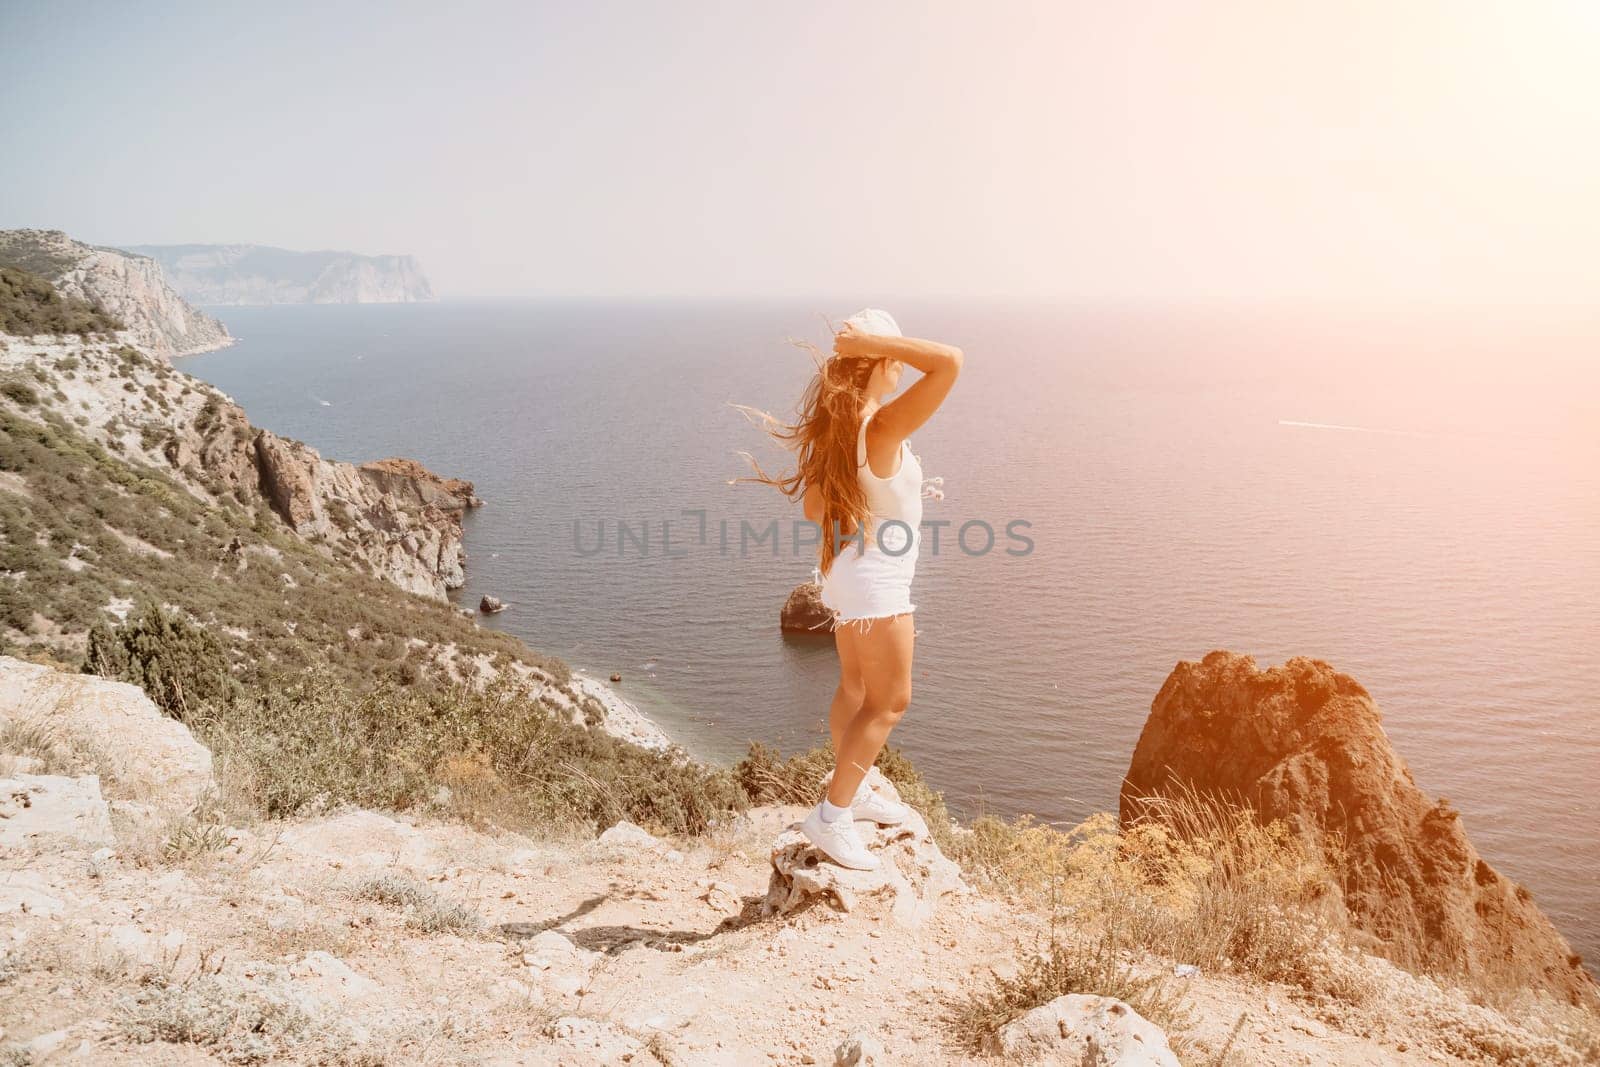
x,y
766,777
181,666
30,305
500,754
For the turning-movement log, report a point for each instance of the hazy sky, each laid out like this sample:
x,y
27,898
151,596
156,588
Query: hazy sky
x,y
1379,152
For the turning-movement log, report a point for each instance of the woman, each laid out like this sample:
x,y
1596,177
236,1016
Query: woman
x,y
863,487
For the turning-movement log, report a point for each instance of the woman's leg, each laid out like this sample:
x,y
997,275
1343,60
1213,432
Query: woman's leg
x,y
884,655
848,696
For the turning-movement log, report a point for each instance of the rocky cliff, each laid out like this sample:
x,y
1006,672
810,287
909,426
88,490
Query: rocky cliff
x,y
257,274
393,517
132,288
1304,744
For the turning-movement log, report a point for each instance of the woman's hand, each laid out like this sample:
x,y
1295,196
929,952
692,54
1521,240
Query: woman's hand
x,y
851,343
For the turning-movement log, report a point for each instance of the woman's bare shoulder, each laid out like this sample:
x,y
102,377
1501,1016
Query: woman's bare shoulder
x,y
883,446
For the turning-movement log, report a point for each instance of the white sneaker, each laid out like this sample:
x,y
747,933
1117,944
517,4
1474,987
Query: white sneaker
x,y
875,807
838,840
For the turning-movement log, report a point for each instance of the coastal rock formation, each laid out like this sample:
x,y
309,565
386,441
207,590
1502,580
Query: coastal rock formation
x,y
133,288
1303,743
409,482
400,518
392,516
804,611
288,479
257,274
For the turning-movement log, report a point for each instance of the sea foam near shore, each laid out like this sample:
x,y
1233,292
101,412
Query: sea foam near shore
x,y
623,718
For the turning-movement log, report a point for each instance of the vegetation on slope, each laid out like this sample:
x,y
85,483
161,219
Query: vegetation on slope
x,y
317,683
89,530
30,305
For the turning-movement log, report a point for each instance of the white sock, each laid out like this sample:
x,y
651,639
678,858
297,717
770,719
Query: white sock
x,y
830,811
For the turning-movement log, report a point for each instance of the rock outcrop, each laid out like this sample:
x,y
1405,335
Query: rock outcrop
x,y
398,517
257,274
913,876
804,611
393,516
131,287
140,754
35,808
409,482
1302,743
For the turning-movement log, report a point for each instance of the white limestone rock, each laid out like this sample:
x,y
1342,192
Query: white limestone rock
x,y
554,961
36,809
360,839
723,897
260,275
26,893
626,835
860,1050
131,287
146,756
1084,1031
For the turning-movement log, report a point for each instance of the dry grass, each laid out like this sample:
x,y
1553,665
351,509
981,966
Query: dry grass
x,y
766,777
58,752
1200,880
238,1022
1197,881
1096,965
424,909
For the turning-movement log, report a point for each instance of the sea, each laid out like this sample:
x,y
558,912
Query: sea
x,y
1412,496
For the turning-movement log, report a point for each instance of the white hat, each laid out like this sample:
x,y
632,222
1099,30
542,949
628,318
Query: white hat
x,y
876,321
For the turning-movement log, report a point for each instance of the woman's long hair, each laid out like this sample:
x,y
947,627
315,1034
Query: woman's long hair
x,y
823,439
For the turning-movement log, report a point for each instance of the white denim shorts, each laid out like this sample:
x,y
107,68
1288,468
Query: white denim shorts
x,y
871,583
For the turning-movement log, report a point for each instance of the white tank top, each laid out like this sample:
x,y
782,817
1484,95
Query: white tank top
x,y
898,496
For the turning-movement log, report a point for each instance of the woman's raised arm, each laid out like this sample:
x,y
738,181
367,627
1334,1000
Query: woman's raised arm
x,y
940,365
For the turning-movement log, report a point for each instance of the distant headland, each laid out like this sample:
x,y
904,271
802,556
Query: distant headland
x,y
258,274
